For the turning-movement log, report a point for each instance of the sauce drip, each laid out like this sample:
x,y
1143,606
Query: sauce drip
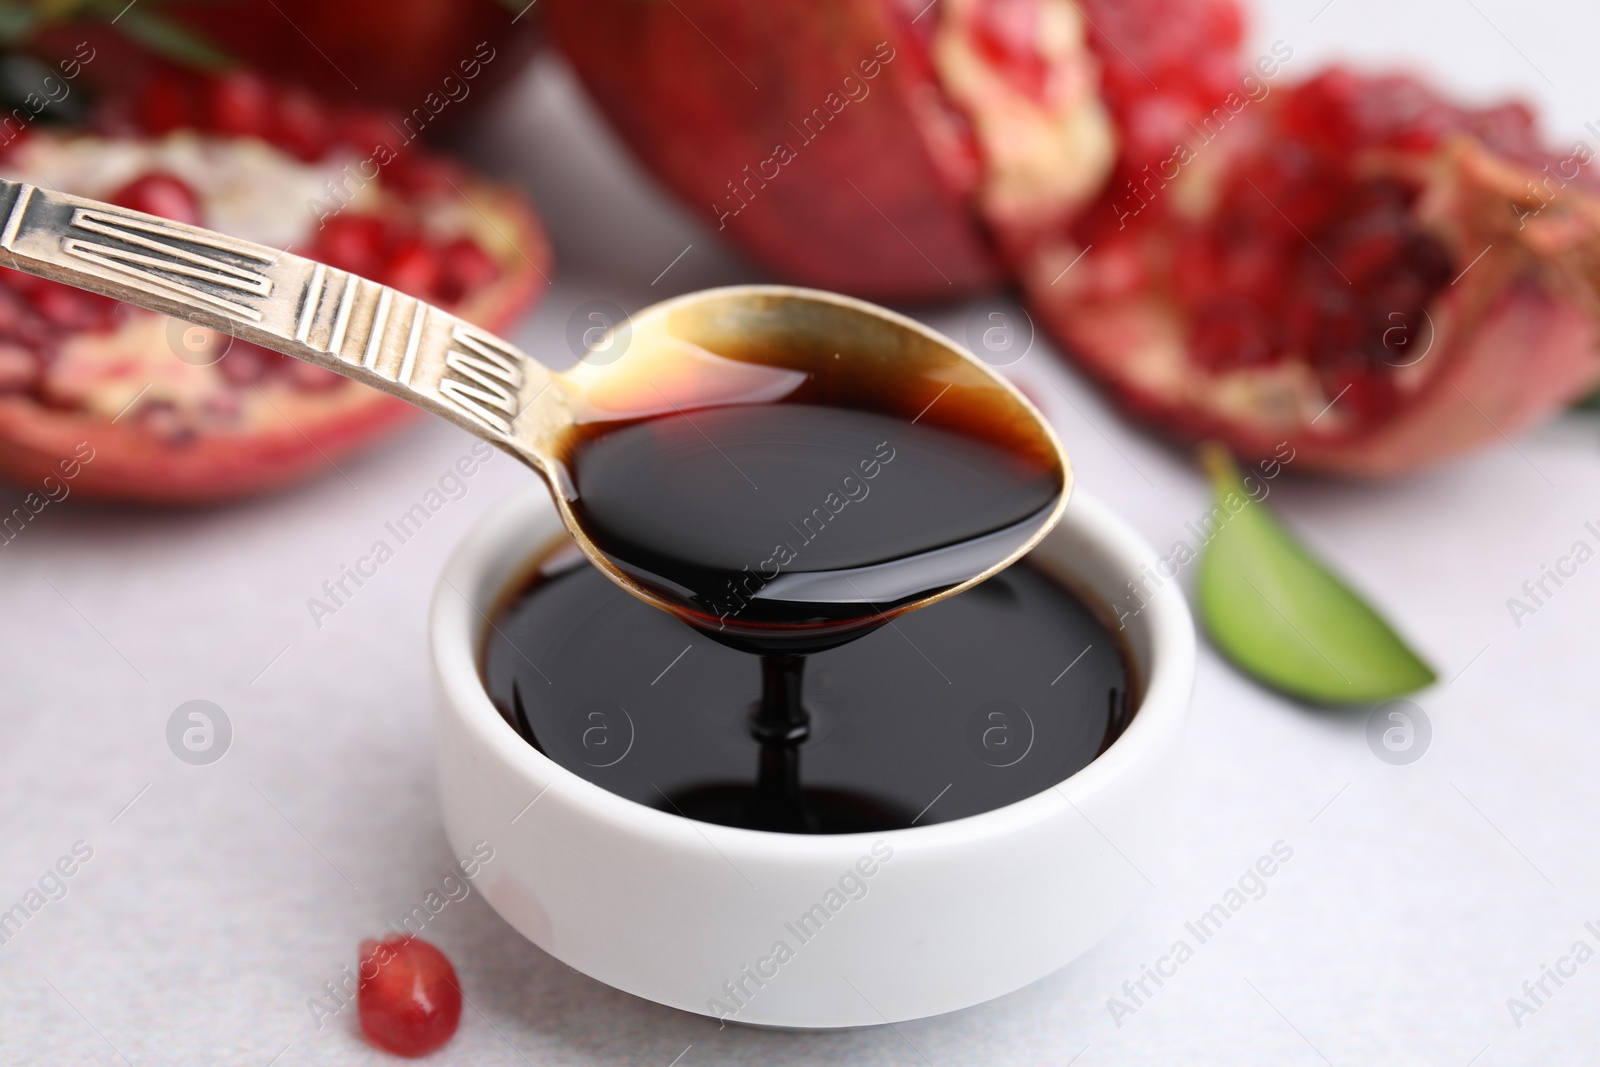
x,y
972,703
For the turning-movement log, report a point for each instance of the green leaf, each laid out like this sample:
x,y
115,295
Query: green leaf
x,y
174,41
17,23
1590,402
1282,617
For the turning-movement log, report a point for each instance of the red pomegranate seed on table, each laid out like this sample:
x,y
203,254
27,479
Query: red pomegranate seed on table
x,y
409,998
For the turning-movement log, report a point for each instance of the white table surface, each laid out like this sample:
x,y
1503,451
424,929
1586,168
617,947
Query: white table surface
x,y
1418,898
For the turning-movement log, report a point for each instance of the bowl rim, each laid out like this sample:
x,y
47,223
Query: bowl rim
x,y
497,548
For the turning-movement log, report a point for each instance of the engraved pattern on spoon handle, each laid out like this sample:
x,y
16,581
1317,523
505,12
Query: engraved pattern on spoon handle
x,y
337,320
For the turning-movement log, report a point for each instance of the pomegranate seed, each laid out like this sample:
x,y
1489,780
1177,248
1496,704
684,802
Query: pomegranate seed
x,y
1006,35
240,105
1305,258
159,193
302,128
14,310
1367,249
1255,271
408,999
1215,76
74,309
1367,397
1509,128
19,282
412,173
464,266
413,269
19,320
1141,46
1195,269
352,242
1233,333
1320,113
365,133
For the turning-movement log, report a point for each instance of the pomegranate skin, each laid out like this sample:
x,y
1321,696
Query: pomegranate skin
x,y
393,53
1510,337
1478,393
861,207
896,149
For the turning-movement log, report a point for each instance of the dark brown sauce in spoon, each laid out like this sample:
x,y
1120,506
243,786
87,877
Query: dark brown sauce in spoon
x,y
789,528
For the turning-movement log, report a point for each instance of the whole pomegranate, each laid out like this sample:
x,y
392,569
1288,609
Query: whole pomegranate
x,y
174,413
1354,266
397,53
898,149
431,59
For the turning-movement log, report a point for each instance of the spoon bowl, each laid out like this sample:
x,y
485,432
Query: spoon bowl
x,y
778,382
702,357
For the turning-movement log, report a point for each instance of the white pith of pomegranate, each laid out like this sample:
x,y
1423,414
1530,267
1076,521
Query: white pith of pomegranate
x,y
1022,74
1040,102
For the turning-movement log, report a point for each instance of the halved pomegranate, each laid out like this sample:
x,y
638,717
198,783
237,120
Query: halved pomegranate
x,y
897,149
1353,265
181,414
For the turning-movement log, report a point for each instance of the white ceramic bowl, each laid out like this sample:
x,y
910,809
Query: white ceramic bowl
x,y
874,928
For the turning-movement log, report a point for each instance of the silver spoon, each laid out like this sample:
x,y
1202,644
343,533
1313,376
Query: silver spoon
x,y
724,346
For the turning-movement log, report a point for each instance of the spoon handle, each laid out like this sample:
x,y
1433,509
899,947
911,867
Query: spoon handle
x,y
347,324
